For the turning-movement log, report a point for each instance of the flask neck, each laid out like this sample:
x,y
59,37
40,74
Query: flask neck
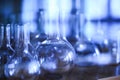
x,y
26,36
52,29
22,37
5,36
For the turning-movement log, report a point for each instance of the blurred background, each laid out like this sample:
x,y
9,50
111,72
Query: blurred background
x,y
104,11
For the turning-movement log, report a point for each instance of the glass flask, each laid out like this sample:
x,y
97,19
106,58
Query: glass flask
x,y
24,64
84,48
55,51
6,51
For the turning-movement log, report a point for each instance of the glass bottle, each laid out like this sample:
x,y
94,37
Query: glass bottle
x,y
6,51
23,65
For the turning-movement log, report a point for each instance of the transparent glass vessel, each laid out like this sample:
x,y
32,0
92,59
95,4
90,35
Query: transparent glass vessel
x,y
6,51
55,54
23,65
85,49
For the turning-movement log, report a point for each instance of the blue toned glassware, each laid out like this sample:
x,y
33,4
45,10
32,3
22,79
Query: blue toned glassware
x,y
24,64
55,51
6,51
85,49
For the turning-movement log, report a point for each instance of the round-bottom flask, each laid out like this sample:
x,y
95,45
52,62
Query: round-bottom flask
x,y
55,54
